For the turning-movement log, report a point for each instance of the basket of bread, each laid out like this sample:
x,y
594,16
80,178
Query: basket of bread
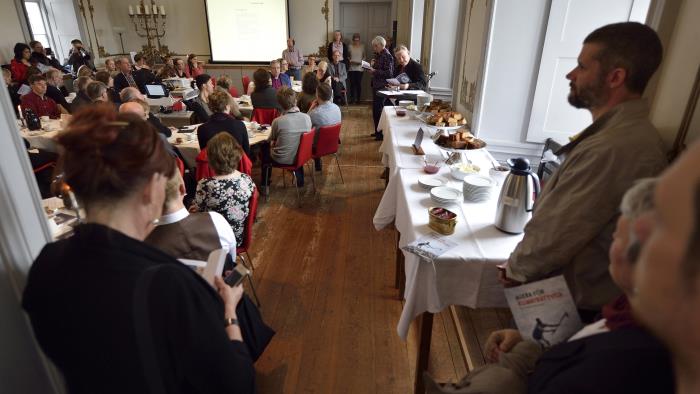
x,y
439,114
461,140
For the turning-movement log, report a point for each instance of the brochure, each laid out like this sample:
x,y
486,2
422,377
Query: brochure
x,y
214,266
430,246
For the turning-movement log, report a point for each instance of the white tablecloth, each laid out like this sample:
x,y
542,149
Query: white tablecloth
x,y
465,275
42,139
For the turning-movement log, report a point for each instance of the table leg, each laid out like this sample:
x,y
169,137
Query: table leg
x,y
400,279
425,335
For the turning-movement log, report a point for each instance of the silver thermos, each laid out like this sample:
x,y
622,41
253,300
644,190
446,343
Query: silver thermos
x,y
520,189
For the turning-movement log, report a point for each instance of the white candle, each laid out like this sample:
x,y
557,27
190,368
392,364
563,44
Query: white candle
x,y
138,9
147,10
155,9
162,10
19,111
131,10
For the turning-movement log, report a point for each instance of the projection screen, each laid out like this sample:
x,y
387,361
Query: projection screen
x,y
247,31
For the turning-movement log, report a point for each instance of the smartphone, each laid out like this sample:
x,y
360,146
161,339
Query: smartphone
x,y
237,275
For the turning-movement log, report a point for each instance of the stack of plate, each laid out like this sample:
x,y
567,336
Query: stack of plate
x,y
445,195
477,188
430,181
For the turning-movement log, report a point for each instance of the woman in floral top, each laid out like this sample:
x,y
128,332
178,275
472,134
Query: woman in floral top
x,y
230,192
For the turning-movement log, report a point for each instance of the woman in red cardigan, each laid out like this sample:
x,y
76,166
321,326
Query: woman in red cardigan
x,y
193,68
20,64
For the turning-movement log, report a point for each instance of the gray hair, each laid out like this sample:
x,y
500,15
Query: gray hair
x,y
402,48
379,40
129,94
638,199
95,90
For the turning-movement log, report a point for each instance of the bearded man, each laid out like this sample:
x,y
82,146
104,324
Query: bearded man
x,y
572,225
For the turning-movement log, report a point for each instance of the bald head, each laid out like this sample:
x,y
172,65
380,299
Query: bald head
x,y
133,108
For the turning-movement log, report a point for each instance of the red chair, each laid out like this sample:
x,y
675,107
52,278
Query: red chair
x,y
203,170
180,166
327,144
304,155
246,81
247,239
264,115
233,91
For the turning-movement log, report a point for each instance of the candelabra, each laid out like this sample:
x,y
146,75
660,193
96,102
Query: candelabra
x,y
325,10
149,23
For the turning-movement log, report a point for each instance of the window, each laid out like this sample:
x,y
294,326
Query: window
x,y
37,23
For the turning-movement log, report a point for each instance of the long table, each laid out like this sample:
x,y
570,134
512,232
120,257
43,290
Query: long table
x,y
465,275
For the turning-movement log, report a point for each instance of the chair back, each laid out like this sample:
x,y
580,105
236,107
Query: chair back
x,y
304,152
246,81
180,166
327,141
203,170
264,115
234,92
249,221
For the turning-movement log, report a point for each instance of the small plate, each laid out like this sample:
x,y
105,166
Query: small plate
x,y
444,193
430,181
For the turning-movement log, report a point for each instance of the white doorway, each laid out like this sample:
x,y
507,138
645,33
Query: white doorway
x,y
369,20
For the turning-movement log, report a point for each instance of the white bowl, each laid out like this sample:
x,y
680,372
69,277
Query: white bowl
x,y
457,170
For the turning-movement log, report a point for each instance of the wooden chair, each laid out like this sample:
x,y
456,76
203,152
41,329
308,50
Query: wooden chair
x,y
264,115
304,155
327,144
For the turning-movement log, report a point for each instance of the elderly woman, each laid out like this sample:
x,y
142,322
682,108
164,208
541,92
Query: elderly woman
x,y
339,75
615,354
229,192
264,95
103,291
408,71
308,92
357,55
382,69
222,121
323,74
338,45
311,65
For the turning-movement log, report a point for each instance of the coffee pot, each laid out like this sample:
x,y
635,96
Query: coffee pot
x,y
520,189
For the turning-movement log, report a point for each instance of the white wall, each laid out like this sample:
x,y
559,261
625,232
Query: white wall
x,y
414,44
10,30
307,25
516,37
677,74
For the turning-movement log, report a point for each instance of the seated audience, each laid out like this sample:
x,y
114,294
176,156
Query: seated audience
x,y
278,79
311,66
411,68
111,66
40,56
308,92
54,82
284,137
225,82
11,89
615,354
295,60
140,109
264,95
37,101
142,70
106,78
168,61
19,65
85,71
284,67
324,113
222,121
230,191
97,91
323,74
134,95
200,104
571,226
127,78
339,45
167,72
355,71
81,98
186,235
339,75
78,319
79,56
179,65
194,67
667,296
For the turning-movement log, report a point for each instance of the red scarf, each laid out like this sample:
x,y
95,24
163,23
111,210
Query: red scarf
x,y
618,314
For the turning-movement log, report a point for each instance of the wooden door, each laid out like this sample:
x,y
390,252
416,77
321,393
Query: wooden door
x,y
369,20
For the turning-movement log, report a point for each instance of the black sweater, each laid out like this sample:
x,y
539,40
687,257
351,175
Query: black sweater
x,y
80,297
415,73
219,122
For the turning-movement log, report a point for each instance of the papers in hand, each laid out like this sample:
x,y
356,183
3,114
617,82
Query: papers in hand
x,y
214,266
366,65
24,89
544,311
398,80
430,246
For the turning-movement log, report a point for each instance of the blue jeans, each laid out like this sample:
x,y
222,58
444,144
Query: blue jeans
x,y
294,73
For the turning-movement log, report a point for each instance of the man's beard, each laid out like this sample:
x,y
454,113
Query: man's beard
x,y
588,96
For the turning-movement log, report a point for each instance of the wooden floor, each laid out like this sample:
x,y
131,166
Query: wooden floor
x,y
325,278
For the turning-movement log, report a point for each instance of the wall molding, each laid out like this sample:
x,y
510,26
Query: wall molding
x,y
505,147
